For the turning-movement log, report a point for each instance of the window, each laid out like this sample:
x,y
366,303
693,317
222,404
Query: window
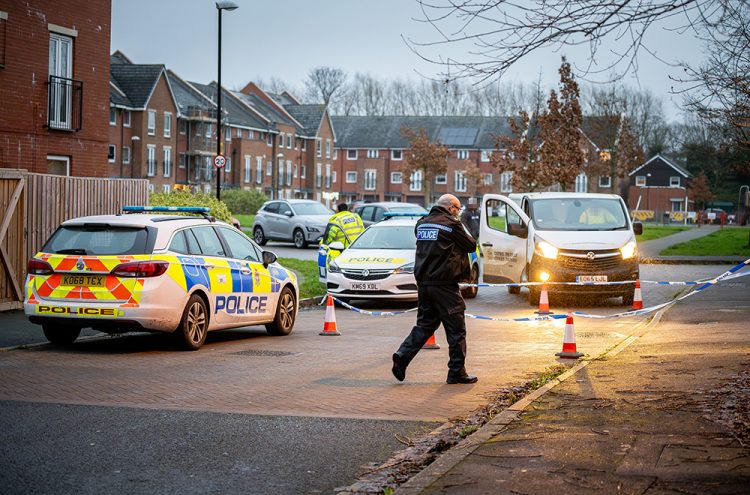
x,y
334,176
167,161
240,248
111,153
397,155
328,148
280,143
152,122
183,127
227,133
280,173
228,165
415,181
197,129
487,179
582,183
640,181
499,215
459,180
351,154
248,169
61,74
605,181
126,155
676,204
183,160
396,177
370,179
269,168
58,165
288,172
441,178
462,154
209,130
318,175
208,168
250,134
303,171
112,116
318,145
351,177
126,118
506,182
166,188
485,156
239,133
258,169
178,243
167,124
328,175
151,160
289,141
3,22
304,145
372,153
208,241
335,153
674,182
269,139
295,170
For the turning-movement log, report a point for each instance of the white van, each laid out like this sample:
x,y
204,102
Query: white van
x,y
559,237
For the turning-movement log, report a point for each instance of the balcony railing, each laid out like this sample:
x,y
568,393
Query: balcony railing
x,y
65,103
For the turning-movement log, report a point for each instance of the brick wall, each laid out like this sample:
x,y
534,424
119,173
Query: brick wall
x,y
25,141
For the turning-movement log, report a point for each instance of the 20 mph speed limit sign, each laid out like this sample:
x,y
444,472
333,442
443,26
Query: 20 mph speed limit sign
x,y
220,161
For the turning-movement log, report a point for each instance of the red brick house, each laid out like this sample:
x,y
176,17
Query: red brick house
x,y
53,53
660,186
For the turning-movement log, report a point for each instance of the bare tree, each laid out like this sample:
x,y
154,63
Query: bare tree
x,y
322,83
429,158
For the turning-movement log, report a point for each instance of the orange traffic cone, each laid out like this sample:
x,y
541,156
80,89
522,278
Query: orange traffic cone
x,y
543,302
431,343
569,341
637,297
329,327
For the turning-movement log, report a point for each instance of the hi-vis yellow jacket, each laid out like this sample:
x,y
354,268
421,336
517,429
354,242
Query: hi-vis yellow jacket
x,y
343,227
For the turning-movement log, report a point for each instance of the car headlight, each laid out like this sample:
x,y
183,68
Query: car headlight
x,y
628,250
312,229
333,267
407,268
546,249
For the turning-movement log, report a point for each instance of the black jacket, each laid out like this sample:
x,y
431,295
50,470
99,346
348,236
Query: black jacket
x,y
443,246
470,218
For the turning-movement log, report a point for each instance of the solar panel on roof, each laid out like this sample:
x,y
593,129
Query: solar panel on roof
x,y
458,136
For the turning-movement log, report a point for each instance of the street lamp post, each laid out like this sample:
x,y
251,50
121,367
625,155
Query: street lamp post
x,y
220,5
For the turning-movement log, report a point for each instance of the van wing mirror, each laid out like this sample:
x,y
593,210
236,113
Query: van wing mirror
x,y
268,258
518,230
637,228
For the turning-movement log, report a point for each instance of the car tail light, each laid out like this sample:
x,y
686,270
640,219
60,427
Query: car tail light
x,y
140,269
39,267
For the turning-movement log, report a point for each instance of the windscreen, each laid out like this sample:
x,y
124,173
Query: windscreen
x,y
578,214
311,209
98,240
386,238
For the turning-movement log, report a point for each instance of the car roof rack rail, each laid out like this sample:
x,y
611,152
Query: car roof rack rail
x,y
202,210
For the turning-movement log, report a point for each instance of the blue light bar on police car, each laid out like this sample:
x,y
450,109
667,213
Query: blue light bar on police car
x,y
183,209
391,214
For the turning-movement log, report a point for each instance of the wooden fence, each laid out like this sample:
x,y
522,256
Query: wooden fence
x,y
33,205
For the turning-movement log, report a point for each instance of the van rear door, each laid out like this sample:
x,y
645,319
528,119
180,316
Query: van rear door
x,y
503,232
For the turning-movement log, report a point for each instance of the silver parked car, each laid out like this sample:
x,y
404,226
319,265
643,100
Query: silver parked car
x,y
374,212
294,220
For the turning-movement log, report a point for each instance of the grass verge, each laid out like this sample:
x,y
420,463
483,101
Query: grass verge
x,y
245,220
651,232
307,276
724,242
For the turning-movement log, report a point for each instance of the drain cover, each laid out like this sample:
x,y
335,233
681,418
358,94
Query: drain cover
x,y
255,352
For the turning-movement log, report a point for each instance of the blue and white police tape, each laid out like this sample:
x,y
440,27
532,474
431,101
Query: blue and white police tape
x,y
370,313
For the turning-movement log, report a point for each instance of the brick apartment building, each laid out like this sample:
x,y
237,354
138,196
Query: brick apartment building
x,y
54,77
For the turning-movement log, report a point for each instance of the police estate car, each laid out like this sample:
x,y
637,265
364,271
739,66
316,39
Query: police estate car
x,y
163,273
379,264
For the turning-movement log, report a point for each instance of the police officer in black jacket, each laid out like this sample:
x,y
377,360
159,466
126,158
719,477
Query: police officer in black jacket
x,y
442,261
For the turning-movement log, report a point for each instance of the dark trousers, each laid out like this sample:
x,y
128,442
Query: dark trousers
x,y
439,304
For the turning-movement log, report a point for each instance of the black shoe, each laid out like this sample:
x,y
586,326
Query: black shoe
x,y
462,379
399,367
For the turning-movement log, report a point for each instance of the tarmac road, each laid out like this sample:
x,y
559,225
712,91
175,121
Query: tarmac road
x,y
250,413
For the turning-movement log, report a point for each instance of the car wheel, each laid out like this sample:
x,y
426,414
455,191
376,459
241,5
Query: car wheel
x,y
471,292
259,237
299,239
534,295
61,335
286,312
194,324
517,289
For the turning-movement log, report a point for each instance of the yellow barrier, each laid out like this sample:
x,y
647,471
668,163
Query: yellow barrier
x,y
643,214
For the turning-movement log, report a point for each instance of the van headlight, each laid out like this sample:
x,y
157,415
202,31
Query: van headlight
x,y
546,249
628,250
407,268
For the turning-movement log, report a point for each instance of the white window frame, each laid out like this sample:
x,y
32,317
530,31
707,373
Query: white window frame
x,y
248,173
351,154
328,175
485,156
113,148
318,174
280,142
209,130
397,177
167,153
61,65
328,148
607,184
288,172
289,139
61,158
582,183
303,145
462,154
318,147
183,160
335,153
334,177
126,116
351,177
125,152
460,180
488,179
269,139
269,168
112,116
150,160
674,181
396,158
228,164
258,169
441,178
167,124
640,181
372,153
239,132
227,133
151,123
506,182
371,179
415,181
303,171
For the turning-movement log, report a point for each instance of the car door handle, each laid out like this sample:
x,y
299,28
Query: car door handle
x,y
246,271
487,244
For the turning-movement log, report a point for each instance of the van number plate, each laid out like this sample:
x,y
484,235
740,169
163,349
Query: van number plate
x,y
83,280
591,278
365,286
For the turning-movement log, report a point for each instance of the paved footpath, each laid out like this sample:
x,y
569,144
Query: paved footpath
x,y
648,417
652,248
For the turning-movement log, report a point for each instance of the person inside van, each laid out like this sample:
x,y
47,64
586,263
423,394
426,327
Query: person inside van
x,y
596,215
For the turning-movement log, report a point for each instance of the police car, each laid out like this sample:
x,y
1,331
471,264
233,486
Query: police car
x,y
379,264
187,275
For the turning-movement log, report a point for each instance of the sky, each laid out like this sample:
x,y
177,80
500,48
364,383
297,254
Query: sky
x,y
287,38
